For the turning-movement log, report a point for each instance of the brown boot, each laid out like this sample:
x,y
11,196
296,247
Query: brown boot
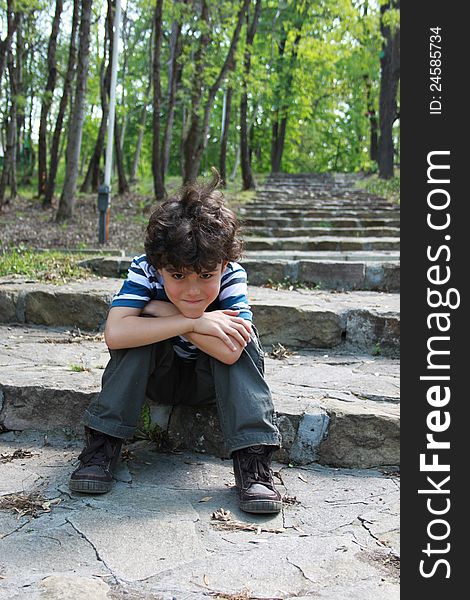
x,y
97,463
254,480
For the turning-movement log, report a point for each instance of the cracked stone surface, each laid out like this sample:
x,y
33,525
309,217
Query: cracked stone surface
x,y
352,393
152,536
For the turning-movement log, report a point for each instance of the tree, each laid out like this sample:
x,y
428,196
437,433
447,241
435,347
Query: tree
x,y
195,140
174,78
92,177
5,44
8,176
64,100
47,99
389,78
67,199
247,175
226,114
157,170
283,90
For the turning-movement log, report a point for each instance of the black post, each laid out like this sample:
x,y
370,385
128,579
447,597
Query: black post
x,y
104,193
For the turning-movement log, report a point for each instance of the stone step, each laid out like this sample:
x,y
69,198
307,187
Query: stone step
x,y
328,255
153,536
366,321
283,205
326,275
296,213
322,243
337,272
318,201
336,409
337,222
361,232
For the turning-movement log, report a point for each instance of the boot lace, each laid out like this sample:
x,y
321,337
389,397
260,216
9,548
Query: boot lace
x,y
99,451
256,469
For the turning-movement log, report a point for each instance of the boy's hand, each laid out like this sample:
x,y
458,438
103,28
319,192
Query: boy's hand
x,y
226,325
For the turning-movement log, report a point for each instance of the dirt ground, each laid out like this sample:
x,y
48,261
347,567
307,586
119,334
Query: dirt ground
x,y
25,223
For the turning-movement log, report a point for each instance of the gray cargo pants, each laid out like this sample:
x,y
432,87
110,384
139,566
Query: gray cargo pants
x,y
243,398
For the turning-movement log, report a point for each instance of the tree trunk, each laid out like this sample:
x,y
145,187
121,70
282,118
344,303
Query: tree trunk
x,y
8,176
157,170
247,175
75,130
47,99
12,24
138,146
174,77
123,186
143,114
69,76
236,163
224,135
389,77
195,141
93,174
372,116
283,101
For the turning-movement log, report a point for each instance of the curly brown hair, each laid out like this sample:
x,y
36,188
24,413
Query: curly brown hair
x,y
193,230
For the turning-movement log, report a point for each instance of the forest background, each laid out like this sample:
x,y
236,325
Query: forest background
x,y
249,86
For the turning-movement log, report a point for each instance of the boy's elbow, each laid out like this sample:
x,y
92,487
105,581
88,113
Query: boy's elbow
x,y
112,339
231,357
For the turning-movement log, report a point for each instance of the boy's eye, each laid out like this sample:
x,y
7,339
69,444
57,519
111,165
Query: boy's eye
x,y
206,275
177,276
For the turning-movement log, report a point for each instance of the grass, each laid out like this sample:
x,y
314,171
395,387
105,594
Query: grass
x,y
51,266
79,368
387,188
287,284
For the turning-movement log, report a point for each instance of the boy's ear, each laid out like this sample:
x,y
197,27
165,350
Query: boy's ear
x,y
224,265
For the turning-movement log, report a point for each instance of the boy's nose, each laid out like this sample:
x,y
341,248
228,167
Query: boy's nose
x,y
193,290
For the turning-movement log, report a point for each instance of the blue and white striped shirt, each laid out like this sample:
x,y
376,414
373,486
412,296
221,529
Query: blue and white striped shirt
x,y
144,283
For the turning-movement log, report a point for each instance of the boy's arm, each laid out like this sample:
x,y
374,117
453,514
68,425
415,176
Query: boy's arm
x,y
210,344
125,328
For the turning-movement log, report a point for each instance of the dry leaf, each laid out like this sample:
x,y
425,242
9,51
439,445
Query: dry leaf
x,y
206,499
222,515
302,479
206,580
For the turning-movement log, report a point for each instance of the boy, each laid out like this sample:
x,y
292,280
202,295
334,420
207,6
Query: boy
x,y
198,346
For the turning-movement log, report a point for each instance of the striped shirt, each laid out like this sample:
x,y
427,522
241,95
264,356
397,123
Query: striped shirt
x,y
144,283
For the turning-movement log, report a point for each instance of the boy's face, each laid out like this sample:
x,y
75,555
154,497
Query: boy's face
x,y
192,292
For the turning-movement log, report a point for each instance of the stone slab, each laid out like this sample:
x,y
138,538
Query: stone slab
x,y
297,318
337,222
296,213
326,274
38,390
357,232
123,544
322,243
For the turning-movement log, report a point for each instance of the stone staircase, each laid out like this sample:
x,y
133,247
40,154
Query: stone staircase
x,y
328,321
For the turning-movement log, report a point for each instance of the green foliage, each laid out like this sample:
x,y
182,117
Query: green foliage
x,y
315,62
51,266
387,188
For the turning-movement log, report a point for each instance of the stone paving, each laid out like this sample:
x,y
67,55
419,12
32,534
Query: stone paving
x,y
329,322
154,535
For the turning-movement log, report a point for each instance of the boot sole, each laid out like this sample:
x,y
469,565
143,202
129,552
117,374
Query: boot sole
x,y
90,487
261,506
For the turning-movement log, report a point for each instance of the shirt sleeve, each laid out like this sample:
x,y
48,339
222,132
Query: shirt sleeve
x,y
234,291
136,290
